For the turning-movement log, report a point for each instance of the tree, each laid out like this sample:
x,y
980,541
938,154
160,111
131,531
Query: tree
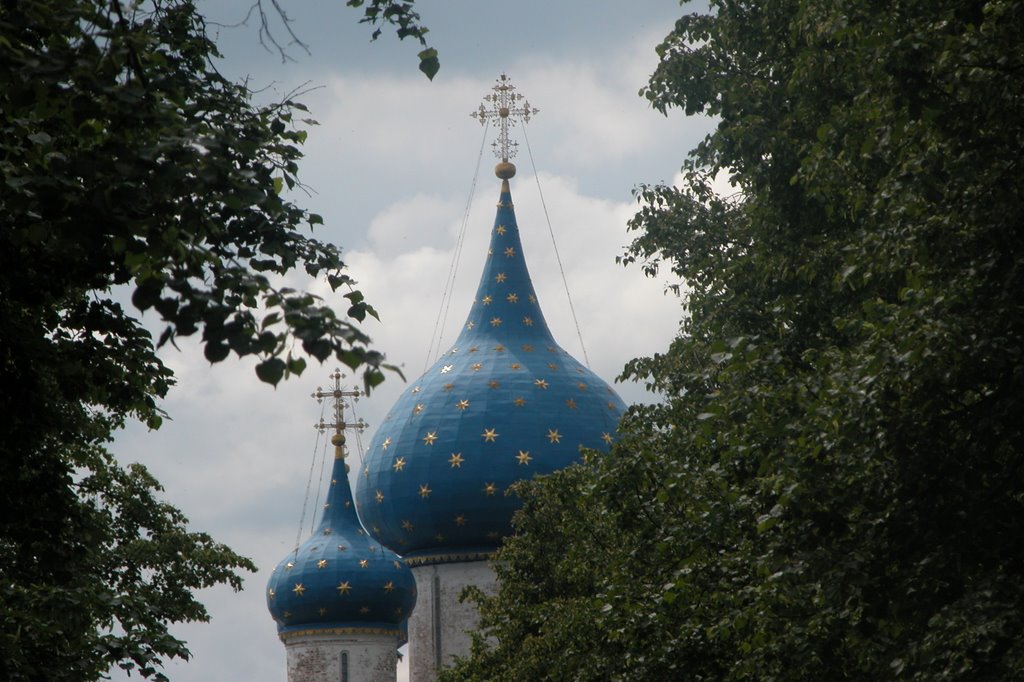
x,y
127,161
833,486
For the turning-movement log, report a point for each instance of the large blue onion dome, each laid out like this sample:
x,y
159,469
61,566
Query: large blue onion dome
x,y
506,402
340,579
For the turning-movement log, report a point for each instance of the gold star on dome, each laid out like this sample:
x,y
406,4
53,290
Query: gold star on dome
x,y
363,563
418,408
540,383
532,298
299,590
495,321
490,252
552,349
582,386
379,496
387,442
476,367
524,457
448,387
528,321
486,300
500,277
516,365
398,611
527,348
425,491
415,390
470,325
322,563
571,404
489,435
493,383
456,460
500,229
323,611
439,537
611,405
553,366
289,565
493,535
344,587
490,488
271,593
509,251
327,531
407,526
366,472
473,349
519,401
388,586
554,436
430,437
341,548
607,437
396,564
462,404
447,368
364,609
460,520
399,464
512,298
286,614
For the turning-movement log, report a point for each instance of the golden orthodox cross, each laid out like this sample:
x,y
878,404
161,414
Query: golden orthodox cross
x,y
504,108
339,424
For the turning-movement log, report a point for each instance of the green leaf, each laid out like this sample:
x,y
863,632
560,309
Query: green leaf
x,y
271,371
429,63
215,352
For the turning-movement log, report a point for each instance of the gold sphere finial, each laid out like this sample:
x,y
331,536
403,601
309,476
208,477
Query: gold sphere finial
x,y
505,170
338,439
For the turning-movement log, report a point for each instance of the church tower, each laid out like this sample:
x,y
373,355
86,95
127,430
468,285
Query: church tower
x,y
504,403
340,599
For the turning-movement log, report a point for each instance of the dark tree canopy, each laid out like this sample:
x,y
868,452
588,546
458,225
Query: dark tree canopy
x,y
127,161
833,486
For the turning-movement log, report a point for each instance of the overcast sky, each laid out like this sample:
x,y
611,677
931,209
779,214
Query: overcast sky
x,y
390,168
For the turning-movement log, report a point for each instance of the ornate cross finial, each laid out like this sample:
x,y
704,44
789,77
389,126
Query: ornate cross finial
x,y
505,110
339,424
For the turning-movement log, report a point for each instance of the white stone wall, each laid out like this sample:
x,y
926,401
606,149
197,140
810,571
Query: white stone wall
x,y
439,625
317,657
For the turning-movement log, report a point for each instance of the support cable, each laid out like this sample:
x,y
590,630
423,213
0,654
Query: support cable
x,y
554,245
446,297
309,482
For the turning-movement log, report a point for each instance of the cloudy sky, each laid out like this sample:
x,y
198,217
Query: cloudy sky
x,y
390,167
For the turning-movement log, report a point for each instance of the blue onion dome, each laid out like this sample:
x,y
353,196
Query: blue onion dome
x,y
506,402
340,579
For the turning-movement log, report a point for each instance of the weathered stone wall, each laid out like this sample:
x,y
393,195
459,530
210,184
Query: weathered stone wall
x,y
439,625
317,657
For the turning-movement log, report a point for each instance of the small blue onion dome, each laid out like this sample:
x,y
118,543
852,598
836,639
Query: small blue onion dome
x,y
504,403
340,579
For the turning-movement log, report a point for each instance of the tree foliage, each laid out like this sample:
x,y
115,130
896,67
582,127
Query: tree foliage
x,y
128,163
407,24
833,486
